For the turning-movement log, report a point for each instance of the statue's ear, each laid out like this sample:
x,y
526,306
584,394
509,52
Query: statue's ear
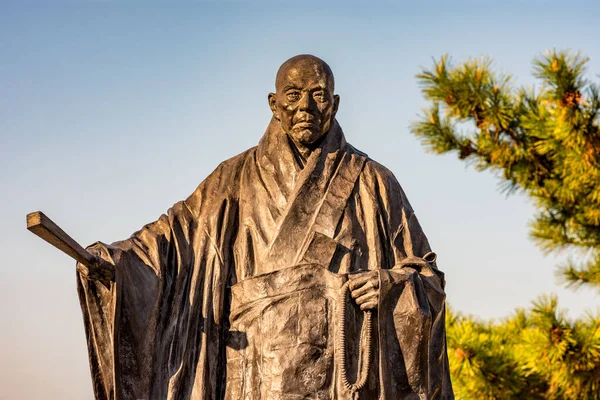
x,y
273,105
336,104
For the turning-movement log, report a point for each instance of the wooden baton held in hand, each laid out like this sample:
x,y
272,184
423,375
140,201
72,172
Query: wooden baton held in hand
x,y
42,226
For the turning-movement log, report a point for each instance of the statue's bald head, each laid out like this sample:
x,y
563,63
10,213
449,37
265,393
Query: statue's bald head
x,y
304,101
302,64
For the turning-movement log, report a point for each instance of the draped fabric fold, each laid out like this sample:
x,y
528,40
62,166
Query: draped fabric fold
x,y
172,325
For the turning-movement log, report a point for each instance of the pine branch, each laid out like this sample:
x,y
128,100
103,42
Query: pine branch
x,y
535,354
546,144
438,135
576,275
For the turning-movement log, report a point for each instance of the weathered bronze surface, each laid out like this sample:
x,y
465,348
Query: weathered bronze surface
x,y
296,270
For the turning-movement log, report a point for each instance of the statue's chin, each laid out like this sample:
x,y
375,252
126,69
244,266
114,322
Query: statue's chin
x,y
306,136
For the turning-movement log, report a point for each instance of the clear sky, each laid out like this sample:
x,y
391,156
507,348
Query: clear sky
x,y
111,111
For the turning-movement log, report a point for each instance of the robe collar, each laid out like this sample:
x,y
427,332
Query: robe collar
x,y
278,159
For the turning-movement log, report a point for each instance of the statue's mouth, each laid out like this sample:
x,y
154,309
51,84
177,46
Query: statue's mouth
x,y
306,124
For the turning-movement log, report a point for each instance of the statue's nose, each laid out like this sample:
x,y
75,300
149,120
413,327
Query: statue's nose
x,y
304,103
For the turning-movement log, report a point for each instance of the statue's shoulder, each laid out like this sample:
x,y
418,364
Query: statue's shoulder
x,y
224,180
235,164
374,171
382,183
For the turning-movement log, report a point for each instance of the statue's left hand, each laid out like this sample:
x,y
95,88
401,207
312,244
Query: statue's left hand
x,y
99,270
364,289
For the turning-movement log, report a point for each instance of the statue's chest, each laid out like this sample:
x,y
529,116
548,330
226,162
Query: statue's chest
x,y
255,255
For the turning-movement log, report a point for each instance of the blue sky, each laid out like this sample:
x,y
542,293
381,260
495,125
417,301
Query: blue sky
x,y
112,111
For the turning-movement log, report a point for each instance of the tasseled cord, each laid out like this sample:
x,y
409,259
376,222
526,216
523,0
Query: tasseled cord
x,y
363,359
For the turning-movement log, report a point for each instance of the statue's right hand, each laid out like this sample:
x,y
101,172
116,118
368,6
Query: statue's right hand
x,y
98,270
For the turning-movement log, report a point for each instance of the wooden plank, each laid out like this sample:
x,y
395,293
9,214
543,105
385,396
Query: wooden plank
x,y
42,226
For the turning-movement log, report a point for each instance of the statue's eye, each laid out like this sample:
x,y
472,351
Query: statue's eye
x,y
293,96
319,96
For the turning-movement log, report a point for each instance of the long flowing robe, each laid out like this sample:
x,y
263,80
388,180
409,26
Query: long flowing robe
x,y
233,293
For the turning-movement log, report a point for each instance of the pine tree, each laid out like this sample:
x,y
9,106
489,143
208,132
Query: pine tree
x,y
535,354
546,144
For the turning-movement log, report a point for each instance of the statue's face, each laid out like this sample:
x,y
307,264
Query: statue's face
x,y
304,102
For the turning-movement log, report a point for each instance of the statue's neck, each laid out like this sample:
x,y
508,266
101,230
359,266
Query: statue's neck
x,y
300,151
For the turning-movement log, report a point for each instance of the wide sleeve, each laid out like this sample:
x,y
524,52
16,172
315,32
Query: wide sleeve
x,y
152,332
411,311
121,321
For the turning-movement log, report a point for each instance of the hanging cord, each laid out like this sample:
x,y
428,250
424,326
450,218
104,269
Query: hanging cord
x,y
364,359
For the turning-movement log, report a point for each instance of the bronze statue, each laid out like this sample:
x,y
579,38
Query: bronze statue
x,y
296,270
